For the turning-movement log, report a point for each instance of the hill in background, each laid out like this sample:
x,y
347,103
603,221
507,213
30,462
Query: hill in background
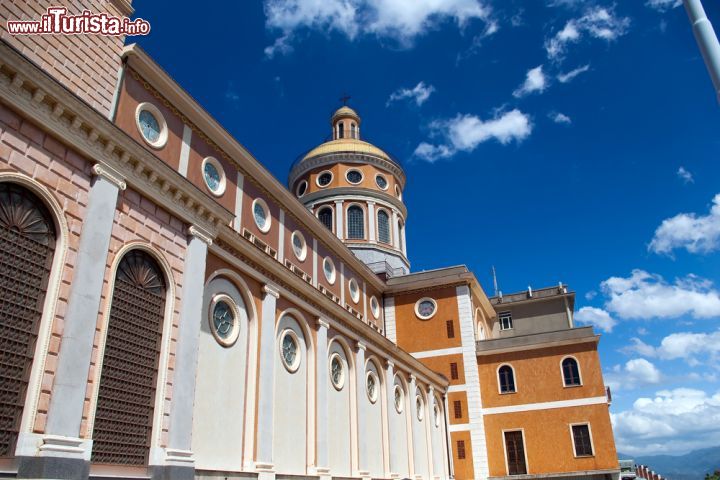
x,y
691,466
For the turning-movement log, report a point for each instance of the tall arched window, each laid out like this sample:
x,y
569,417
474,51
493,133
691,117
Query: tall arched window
x,y
353,131
341,130
126,397
326,217
506,377
27,247
571,372
383,226
356,223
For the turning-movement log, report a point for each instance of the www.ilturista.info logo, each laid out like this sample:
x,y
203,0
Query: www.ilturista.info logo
x,y
56,21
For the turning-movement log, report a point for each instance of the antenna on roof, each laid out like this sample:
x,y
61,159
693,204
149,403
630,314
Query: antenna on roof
x,y
495,285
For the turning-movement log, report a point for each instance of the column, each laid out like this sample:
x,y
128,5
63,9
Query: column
x,y
404,239
322,462
417,428
178,461
264,461
430,428
361,409
392,424
61,443
372,220
339,219
706,39
395,233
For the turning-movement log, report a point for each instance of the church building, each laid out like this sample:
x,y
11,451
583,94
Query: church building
x,y
170,310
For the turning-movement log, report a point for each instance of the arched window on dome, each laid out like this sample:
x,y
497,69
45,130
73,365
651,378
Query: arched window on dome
x,y
325,215
341,130
356,223
353,131
383,226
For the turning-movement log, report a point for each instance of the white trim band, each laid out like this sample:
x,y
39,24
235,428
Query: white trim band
x,y
579,402
438,353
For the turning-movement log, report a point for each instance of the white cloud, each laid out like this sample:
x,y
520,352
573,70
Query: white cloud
x,y
663,5
696,234
535,81
597,317
597,22
464,133
398,20
693,348
570,76
644,295
674,421
685,175
558,117
640,347
419,94
637,372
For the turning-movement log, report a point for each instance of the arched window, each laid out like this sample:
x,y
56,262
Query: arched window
x,y
356,223
571,372
506,377
353,131
27,247
341,130
126,397
326,217
383,226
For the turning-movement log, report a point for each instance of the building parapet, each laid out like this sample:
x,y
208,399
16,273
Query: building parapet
x,y
536,340
532,295
584,475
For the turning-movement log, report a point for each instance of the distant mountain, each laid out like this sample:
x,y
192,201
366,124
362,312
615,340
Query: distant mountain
x,y
691,466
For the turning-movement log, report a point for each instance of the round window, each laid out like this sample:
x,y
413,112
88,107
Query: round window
x,y
371,384
354,176
214,176
290,350
425,308
324,179
301,188
354,290
329,270
399,398
375,307
261,215
299,246
223,317
381,181
337,371
151,125
419,408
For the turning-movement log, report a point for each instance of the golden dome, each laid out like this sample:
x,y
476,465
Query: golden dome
x,y
347,145
345,112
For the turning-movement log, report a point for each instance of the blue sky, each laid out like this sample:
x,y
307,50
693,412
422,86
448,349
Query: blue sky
x,y
558,140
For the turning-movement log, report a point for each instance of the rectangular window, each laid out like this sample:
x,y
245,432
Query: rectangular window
x,y
461,449
505,319
515,449
457,406
454,371
581,438
450,329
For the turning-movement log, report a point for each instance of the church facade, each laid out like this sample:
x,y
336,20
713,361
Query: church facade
x,y
170,310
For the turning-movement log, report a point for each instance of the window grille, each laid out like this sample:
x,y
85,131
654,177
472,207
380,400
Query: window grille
x,y
356,223
454,371
326,217
581,437
507,379
383,226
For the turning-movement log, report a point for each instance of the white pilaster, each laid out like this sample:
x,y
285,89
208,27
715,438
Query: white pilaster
x,y
339,231
185,150
361,409
315,264
390,328
322,463
264,461
395,234
392,453
372,220
237,221
281,236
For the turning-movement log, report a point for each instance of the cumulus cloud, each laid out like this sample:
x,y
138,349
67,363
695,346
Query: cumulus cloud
x,y
596,317
643,295
464,133
570,76
673,421
663,5
695,233
637,372
558,117
535,81
693,348
418,94
685,175
597,22
398,20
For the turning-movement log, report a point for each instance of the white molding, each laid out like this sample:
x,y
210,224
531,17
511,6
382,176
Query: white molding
x,y
315,264
528,407
237,221
457,388
110,175
438,353
185,150
390,327
459,427
281,236
200,234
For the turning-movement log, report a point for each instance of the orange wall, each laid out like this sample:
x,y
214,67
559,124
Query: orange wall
x,y
538,377
415,335
548,440
463,468
442,366
462,398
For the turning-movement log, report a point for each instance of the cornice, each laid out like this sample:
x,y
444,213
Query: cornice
x,y
346,157
240,157
30,91
357,193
